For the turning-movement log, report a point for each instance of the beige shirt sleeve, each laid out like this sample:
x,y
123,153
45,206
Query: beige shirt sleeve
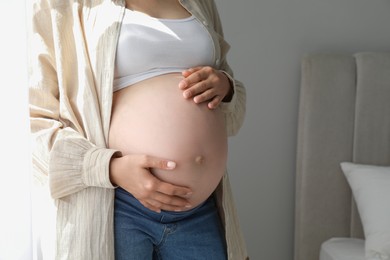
x,y
61,152
236,108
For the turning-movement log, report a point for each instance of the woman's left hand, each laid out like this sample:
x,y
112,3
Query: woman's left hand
x,y
206,84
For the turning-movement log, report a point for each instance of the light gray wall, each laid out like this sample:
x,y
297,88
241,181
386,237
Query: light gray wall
x,y
269,38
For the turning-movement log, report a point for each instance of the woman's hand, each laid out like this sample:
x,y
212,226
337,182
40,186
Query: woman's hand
x,y
206,84
131,172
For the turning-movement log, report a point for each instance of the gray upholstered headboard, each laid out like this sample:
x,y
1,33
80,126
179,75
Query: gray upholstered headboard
x,y
344,116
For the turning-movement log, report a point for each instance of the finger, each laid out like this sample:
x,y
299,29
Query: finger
x,y
196,89
153,162
157,206
189,71
173,190
186,73
173,201
205,96
195,77
174,208
150,206
183,84
214,103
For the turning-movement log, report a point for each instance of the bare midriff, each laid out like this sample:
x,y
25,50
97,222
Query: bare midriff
x,y
153,118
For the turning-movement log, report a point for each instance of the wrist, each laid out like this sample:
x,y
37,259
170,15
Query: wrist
x,y
230,90
114,170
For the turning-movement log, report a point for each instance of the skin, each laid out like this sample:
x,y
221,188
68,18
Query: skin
x,y
201,84
206,84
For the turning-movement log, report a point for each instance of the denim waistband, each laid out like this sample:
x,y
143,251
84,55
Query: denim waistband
x,y
163,216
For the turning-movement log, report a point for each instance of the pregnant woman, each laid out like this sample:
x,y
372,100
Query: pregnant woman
x,y
131,104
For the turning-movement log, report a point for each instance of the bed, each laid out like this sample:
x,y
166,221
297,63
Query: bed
x,y
343,158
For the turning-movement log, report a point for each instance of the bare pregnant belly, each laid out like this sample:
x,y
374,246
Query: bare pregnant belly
x,y
152,117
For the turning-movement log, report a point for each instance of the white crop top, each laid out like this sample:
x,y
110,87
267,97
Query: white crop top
x,y
149,47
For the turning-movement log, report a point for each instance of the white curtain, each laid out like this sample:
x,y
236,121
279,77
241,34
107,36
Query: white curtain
x,y
15,192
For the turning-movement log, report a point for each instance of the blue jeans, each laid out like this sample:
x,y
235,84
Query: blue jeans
x,y
142,234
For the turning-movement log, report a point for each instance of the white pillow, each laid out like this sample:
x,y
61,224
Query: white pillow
x,y
371,189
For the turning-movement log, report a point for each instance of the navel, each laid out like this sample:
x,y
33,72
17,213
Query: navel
x,y
199,159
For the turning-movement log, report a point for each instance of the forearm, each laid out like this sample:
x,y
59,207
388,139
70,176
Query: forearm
x,y
70,161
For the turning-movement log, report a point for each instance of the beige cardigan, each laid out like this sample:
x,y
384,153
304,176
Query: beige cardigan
x,y
73,44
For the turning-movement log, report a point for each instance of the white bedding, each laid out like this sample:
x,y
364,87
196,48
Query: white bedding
x,y
342,249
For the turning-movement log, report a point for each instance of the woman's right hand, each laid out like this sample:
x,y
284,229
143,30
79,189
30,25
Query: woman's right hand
x,y
132,173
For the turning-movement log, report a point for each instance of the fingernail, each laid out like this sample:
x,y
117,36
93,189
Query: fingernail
x,y
171,164
181,84
188,206
186,94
